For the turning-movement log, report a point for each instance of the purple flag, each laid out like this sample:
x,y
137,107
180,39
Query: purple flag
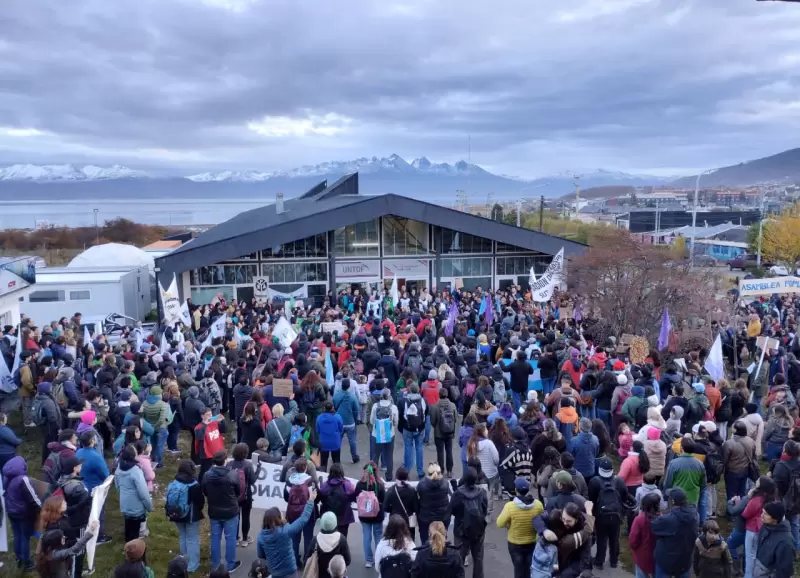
x,y
489,312
577,315
666,327
451,319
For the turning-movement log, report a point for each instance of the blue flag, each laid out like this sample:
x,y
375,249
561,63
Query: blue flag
x,y
489,313
328,367
482,310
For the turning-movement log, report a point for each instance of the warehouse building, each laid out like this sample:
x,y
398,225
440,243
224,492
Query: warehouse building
x,y
331,238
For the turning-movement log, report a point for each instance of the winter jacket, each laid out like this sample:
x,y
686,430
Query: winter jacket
x,y
584,447
385,549
391,369
467,493
329,431
193,409
50,410
519,371
196,498
577,479
338,486
712,560
737,453
434,501
629,470
328,545
94,470
774,551
567,422
752,514
250,475
633,403
252,431
134,499
156,412
78,498
689,474
436,410
429,565
489,458
347,407
656,451
61,560
147,469
221,487
22,501
675,535
401,500
642,543
8,441
517,516
280,429
275,546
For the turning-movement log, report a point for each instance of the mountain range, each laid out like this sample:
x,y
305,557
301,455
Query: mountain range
x,y
779,168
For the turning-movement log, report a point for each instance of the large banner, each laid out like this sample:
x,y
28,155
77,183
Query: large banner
x,y
769,286
171,303
542,288
300,293
99,495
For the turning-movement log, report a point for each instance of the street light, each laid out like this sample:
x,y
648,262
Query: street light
x,y
519,201
96,229
694,215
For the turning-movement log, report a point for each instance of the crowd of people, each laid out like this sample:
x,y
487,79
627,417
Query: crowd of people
x,y
561,441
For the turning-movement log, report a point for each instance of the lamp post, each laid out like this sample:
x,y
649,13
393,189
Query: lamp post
x,y
694,215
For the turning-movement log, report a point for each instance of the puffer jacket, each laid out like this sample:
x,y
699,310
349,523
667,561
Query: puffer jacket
x,y
22,501
78,498
445,565
134,499
221,488
434,501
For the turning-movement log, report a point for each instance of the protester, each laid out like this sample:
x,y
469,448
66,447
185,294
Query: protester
x,y
134,498
774,553
222,489
247,476
641,539
608,493
517,516
402,500
470,507
184,502
675,534
22,506
437,558
329,542
336,495
135,564
54,558
396,548
443,419
433,495
348,409
711,558
330,431
370,494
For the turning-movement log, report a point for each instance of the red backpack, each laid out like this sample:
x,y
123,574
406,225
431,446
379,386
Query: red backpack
x,y
298,498
621,399
242,485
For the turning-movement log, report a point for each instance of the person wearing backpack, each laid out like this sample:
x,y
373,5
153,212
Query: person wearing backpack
x,y
222,488
46,415
608,494
299,482
786,475
698,408
184,507
413,412
437,558
327,544
370,496
247,477
444,421
395,553
470,507
336,495
383,421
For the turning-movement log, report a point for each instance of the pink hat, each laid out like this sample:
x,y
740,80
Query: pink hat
x,y
653,433
88,417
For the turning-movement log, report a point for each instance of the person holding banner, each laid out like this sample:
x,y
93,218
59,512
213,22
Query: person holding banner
x,y
55,559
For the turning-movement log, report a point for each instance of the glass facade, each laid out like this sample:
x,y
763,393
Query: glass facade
x,y
295,272
308,248
359,240
203,295
473,267
457,242
521,265
404,237
224,274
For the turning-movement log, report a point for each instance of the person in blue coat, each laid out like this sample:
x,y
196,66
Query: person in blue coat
x,y
94,472
329,428
347,407
275,539
584,447
8,441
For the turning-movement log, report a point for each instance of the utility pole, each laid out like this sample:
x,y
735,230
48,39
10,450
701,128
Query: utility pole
x,y
658,225
541,213
96,228
519,212
694,215
577,193
760,226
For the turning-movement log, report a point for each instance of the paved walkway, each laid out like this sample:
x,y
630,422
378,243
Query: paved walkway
x,y
496,558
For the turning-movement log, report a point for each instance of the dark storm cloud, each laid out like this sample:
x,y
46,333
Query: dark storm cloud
x,y
178,81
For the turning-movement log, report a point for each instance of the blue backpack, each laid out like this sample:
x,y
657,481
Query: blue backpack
x,y
177,504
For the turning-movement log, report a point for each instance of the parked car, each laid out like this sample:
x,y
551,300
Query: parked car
x,y
747,261
779,270
705,261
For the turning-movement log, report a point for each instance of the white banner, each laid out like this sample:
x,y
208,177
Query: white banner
x,y
261,288
331,326
284,332
186,315
542,289
170,302
99,495
406,268
769,286
301,293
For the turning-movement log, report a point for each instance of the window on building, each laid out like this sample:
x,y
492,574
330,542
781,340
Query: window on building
x,y
404,236
474,267
44,296
204,295
80,295
506,248
308,248
359,240
458,242
522,265
295,272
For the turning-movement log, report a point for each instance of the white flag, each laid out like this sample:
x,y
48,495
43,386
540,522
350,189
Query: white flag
x,y
284,332
17,352
532,278
395,297
186,316
164,343
170,302
714,362
181,340
87,337
218,327
139,339
7,384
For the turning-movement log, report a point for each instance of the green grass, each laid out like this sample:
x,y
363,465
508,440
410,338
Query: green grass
x,y
163,543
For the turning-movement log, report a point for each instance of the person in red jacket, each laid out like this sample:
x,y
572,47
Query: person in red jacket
x,y
209,439
641,539
574,366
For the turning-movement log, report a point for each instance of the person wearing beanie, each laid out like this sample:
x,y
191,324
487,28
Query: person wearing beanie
x,y
193,408
517,517
78,500
46,414
755,425
737,454
585,447
329,542
608,493
675,534
676,398
157,413
774,544
178,567
698,407
135,563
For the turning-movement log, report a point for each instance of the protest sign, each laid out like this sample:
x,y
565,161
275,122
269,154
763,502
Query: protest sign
x,y
331,326
99,495
171,302
542,289
282,387
769,286
284,332
770,342
261,288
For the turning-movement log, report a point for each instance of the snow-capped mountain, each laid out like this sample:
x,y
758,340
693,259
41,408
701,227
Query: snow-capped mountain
x,y
46,173
393,164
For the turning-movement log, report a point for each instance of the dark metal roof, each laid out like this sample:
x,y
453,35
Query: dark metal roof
x,y
334,208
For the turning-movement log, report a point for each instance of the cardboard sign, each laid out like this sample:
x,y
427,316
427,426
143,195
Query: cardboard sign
x,y
566,313
770,342
458,283
331,326
282,387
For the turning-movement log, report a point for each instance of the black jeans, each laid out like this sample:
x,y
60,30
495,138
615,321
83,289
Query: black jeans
x,y
244,517
607,531
336,455
444,453
521,555
132,526
474,547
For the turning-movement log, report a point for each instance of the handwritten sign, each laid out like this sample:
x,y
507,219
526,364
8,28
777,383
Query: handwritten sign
x,y
331,326
282,387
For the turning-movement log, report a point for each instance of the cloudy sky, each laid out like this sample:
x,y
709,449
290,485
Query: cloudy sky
x,y
647,86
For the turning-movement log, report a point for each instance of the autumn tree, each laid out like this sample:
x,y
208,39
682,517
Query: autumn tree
x,y
780,242
497,212
627,284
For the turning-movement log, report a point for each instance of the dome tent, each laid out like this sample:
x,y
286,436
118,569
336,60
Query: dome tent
x,y
113,255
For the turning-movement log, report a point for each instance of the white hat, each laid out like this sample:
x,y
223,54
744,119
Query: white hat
x,y
622,379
